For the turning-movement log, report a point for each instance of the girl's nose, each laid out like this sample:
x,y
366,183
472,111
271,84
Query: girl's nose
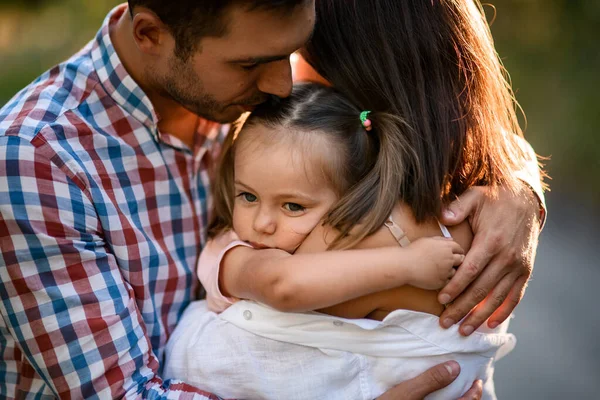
x,y
264,222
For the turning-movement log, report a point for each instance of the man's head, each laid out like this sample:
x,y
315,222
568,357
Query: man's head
x,y
219,58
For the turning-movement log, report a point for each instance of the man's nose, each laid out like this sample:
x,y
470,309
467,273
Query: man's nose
x,y
276,79
264,222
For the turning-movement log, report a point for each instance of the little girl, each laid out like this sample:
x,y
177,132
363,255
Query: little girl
x,y
310,158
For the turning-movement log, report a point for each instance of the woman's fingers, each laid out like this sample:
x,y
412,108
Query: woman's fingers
x,y
512,300
479,300
472,265
475,392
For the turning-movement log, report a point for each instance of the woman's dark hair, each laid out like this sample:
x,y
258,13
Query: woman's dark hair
x,y
433,65
366,168
190,20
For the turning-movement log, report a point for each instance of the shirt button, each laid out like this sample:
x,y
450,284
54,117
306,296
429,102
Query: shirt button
x,y
247,315
338,323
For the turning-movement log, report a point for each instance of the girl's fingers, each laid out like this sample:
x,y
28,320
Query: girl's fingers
x,y
476,259
458,259
457,248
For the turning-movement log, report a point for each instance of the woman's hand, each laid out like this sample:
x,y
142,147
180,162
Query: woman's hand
x,y
492,279
433,379
432,262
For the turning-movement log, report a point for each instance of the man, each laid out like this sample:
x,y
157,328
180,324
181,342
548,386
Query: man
x,y
104,182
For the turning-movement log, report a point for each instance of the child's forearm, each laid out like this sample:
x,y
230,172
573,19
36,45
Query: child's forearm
x,y
312,281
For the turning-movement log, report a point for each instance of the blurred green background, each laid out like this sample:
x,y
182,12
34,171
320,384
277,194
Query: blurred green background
x,y
550,48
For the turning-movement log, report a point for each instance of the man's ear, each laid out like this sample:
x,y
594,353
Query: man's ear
x,y
149,32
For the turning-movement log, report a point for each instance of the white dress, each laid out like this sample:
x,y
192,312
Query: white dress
x,y
251,351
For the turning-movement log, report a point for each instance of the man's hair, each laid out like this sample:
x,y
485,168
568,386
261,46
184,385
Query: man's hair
x,y
190,20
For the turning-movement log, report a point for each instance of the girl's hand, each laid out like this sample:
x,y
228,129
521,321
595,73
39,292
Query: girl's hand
x,y
434,259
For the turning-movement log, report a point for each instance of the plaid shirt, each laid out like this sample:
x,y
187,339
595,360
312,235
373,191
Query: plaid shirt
x,y
102,218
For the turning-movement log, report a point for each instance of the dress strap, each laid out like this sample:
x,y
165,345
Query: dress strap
x,y
397,232
447,234
444,230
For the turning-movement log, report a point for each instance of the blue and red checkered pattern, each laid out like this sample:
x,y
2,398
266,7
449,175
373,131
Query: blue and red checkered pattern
x,y
102,218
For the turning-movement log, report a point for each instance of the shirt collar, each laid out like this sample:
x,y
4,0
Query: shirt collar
x,y
116,80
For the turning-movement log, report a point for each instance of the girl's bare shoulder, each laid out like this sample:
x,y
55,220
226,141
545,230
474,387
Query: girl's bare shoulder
x,y
404,218
322,236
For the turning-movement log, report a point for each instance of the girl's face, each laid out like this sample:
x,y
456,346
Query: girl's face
x,y
280,194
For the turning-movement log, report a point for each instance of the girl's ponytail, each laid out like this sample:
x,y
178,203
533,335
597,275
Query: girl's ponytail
x,y
368,203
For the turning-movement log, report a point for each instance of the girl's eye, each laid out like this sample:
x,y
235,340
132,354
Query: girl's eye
x,y
249,197
293,207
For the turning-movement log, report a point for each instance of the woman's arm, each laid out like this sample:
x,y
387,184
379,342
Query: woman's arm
x,y
304,282
494,276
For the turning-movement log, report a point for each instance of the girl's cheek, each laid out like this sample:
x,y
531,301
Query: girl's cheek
x,y
301,232
303,227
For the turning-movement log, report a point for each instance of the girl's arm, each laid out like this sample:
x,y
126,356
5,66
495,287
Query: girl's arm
x,y
404,297
305,282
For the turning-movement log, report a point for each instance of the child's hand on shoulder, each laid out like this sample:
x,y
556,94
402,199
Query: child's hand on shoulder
x,y
434,259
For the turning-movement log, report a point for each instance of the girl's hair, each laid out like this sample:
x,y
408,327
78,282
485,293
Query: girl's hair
x,y
433,65
366,168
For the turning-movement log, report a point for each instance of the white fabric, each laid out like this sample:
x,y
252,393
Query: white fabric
x,y
252,351
530,174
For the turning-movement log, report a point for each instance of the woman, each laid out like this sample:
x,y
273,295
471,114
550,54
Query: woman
x,y
446,81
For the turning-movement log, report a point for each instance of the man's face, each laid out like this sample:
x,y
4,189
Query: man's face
x,y
229,75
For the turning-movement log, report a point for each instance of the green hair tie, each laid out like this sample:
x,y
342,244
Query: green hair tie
x,y
365,121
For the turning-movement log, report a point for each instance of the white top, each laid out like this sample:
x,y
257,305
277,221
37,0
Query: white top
x,y
253,351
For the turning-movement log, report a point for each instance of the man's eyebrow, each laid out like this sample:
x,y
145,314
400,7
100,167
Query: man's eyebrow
x,y
260,60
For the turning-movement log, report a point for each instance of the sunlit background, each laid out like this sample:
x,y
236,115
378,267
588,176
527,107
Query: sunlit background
x,y
550,48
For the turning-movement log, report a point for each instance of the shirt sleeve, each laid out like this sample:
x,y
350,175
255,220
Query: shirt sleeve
x,y
209,265
68,316
530,174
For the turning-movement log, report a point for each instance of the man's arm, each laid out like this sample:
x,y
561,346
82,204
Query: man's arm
x,y
493,277
69,318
